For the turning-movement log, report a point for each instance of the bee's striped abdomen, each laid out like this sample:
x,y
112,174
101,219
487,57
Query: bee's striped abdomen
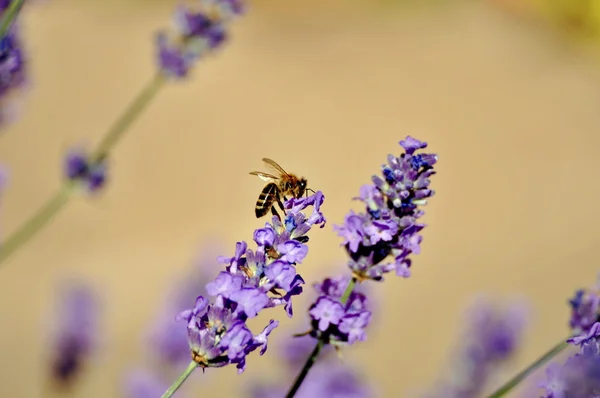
x,y
266,199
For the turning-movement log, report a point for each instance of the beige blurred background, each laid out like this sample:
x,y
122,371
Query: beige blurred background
x,y
327,89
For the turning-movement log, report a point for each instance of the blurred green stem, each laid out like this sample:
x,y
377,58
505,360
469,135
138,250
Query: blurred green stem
x,y
53,205
177,383
310,361
9,17
512,383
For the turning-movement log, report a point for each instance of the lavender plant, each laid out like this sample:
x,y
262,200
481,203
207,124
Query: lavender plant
x,y
253,280
379,240
198,32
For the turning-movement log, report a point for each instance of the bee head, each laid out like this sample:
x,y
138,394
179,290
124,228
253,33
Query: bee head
x,y
301,187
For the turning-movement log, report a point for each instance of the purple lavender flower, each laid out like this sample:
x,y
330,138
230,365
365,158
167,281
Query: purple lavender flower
x,y
585,309
389,228
327,380
13,68
76,338
142,384
252,281
79,168
336,323
492,337
198,32
579,376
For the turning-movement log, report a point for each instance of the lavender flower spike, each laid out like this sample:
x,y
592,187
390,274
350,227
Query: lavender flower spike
x,y
491,340
252,281
389,227
198,31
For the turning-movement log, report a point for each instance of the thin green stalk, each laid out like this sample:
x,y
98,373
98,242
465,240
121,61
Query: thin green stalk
x,y
177,383
35,223
132,112
53,205
526,372
9,17
310,361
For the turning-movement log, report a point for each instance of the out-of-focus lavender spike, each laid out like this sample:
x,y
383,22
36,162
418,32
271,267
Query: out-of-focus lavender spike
x,y
167,337
198,31
143,384
492,336
328,379
77,331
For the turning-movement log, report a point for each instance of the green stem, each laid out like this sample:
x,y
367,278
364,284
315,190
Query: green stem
x,y
348,291
533,367
177,383
53,205
133,111
310,361
9,17
35,223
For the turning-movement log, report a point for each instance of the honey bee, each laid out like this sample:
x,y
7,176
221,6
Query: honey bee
x,y
280,184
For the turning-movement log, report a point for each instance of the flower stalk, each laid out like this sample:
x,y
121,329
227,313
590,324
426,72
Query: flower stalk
x,y
9,17
177,383
58,201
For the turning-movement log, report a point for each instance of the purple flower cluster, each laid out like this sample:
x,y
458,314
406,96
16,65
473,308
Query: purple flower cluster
x,y
13,67
79,168
492,338
579,376
197,32
77,334
336,323
585,309
252,281
390,227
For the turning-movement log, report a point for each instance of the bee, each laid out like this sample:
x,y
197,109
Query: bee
x,y
279,184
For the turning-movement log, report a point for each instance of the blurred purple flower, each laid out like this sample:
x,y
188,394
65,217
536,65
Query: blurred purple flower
x,y
77,334
492,338
79,168
198,31
142,384
389,227
13,67
327,380
167,338
252,281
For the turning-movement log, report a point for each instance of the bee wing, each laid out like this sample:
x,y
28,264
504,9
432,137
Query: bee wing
x,y
265,176
273,165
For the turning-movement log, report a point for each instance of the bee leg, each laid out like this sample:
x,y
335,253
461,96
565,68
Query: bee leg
x,y
275,213
280,203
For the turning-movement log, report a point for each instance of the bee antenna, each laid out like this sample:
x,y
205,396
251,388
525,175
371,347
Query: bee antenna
x,y
309,189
